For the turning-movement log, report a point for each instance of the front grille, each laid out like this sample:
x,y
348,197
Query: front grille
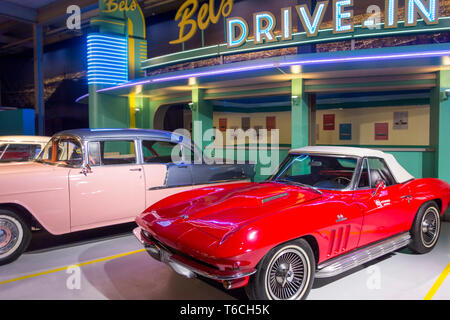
x,y
182,254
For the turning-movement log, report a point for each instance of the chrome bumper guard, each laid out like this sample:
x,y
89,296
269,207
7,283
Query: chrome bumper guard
x,y
180,267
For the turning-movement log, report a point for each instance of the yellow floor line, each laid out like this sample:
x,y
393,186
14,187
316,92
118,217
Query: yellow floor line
x,y
78,265
438,283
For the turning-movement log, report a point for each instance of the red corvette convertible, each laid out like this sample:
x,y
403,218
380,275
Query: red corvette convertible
x,y
326,211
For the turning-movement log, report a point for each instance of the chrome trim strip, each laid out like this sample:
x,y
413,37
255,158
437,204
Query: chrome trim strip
x,y
169,260
212,276
195,185
278,196
353,259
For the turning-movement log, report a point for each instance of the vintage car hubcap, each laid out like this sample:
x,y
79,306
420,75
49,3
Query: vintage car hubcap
x,y
8,235
286,275
430,226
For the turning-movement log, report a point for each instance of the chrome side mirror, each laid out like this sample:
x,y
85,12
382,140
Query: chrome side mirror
x,y
85,169
380,186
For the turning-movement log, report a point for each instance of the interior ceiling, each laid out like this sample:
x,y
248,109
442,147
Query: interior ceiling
x,y
34,4
18,16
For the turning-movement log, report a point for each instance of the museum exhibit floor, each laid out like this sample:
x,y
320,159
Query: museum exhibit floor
x,y
111,264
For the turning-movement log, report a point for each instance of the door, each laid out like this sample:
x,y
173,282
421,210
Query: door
x,y
112,192
385,206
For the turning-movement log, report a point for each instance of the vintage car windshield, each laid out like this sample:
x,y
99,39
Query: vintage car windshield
x,y
18,151
62,151
317,171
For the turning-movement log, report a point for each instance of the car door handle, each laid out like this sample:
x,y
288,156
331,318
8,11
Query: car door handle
x,y
134,170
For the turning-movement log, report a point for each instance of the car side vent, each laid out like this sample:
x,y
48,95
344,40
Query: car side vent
x,y
278,196
338,240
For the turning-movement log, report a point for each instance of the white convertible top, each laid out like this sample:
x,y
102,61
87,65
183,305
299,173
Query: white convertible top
x,y
400,174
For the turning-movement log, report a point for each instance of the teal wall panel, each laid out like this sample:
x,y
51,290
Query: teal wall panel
x,y
17,122
419,164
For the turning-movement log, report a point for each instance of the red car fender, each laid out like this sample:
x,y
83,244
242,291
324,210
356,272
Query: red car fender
x,y
314,221
428,189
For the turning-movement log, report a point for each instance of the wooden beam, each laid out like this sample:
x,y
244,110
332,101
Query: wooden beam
x,y
18,12
7,40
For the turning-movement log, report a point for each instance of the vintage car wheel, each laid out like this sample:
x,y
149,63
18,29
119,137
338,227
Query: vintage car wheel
x,y
426,228
285,273
15,235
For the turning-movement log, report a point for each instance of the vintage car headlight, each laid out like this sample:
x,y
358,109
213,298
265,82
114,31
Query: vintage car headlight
x,y
146,234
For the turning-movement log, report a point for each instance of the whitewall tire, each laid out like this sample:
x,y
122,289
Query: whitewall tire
x,y
426,228
15,236
285,273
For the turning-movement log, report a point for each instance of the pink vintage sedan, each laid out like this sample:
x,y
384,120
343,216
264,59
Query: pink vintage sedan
x,y
86,179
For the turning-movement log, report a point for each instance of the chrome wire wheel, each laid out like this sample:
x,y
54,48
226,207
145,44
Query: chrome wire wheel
x,y
288,274
430,227
11,235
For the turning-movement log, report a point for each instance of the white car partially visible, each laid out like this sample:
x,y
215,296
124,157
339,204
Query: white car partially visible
x,y
21,148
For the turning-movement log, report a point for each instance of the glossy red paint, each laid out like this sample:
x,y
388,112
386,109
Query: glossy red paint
x,y
232,227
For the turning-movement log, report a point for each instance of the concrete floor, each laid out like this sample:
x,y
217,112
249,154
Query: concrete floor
x,y
400,275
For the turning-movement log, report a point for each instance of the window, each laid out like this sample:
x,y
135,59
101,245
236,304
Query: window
x,y
19,152
379,171
117,152
2,150
161,151
94,158
167,152
364,181
63,152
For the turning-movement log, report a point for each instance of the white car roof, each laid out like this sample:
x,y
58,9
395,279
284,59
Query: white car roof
x,y
25,139
400,174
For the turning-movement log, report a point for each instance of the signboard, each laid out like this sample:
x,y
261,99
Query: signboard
x,y
223,124
118,21
193,17
345,131
401,120
264,22
329,122
259,33
271,123
382,131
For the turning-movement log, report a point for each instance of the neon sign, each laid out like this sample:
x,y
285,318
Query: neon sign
x,y
206,15
107,59
264,22
114,5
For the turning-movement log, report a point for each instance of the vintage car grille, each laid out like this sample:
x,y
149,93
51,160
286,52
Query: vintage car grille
x,y
179,253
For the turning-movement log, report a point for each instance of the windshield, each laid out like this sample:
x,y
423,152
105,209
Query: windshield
x,y
317,171
18,151
62,151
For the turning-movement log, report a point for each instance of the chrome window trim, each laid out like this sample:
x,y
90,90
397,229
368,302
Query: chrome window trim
x,y
68,136
134,140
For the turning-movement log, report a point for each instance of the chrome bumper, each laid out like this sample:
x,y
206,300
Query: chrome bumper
x,y
183,268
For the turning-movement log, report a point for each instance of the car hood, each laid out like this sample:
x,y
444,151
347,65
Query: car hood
x,y
18,179
223,211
